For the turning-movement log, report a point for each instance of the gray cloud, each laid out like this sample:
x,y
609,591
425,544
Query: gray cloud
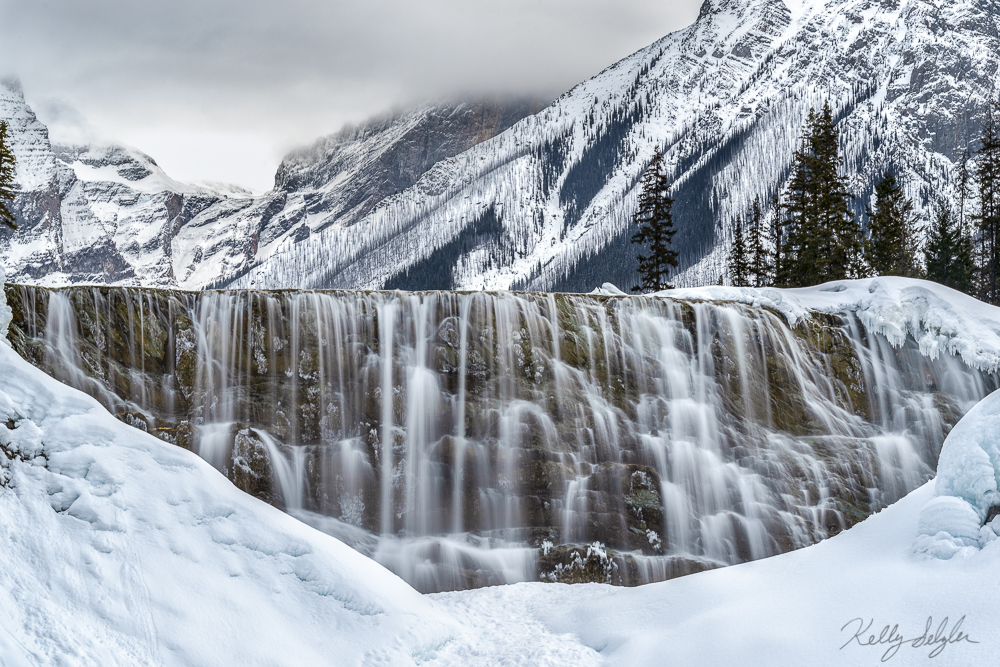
x,y
181,79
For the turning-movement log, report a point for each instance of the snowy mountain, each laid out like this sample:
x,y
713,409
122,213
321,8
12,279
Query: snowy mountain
x,y
546,204
91,214
109,214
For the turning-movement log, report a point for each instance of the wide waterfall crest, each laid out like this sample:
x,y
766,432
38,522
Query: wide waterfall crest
x,y
941,320
468,439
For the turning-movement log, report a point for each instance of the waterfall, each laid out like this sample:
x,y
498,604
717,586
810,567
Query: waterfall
x,y
469,439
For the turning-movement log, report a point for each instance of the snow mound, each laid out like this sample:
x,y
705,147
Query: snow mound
x,y
967,486
119,549
941,320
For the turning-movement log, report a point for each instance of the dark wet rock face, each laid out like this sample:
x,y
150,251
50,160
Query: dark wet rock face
x,y
468,439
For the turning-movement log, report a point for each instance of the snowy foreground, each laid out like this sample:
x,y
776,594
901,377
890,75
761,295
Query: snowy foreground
x,y
119,549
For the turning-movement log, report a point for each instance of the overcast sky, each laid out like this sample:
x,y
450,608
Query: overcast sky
x,y
221,89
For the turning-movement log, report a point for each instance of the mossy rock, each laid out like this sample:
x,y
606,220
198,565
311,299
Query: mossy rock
x,y
251,468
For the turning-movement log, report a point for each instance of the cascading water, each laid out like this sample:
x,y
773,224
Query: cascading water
x,y
466,439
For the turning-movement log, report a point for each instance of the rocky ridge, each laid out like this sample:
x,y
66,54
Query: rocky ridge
x,y
108,214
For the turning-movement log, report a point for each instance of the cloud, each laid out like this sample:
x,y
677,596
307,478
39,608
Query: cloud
x,y
283,73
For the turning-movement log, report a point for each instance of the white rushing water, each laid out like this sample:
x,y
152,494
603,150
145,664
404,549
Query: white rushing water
x,y
465,439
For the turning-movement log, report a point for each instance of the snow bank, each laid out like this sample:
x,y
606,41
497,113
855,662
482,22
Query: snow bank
x,y
968,486
119,549
800,608
941,320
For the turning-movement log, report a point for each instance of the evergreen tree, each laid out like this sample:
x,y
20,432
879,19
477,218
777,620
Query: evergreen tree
x,y
820,240
779,275
964,183
656,228
986,176
891,247
6,179
949,253
760,262
739,265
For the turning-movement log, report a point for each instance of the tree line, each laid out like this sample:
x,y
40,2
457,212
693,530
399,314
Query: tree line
x,y
812,235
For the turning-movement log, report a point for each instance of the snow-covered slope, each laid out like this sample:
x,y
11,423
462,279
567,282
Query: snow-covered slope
x,y
118,549
546,204
109,214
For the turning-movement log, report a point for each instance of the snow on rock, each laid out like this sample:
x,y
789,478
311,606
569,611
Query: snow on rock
x,y
968,486
947,524
119,549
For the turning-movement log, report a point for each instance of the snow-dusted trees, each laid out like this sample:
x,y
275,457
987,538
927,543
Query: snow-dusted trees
x,y
656,228
891,248
820,239
6,179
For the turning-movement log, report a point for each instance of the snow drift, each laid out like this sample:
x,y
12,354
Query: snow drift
x,y
119,549
965,514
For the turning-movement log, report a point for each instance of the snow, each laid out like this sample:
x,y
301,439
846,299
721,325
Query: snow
x,y
794,609
967,486
119,549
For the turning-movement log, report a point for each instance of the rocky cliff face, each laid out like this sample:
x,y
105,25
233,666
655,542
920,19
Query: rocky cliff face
x,y
547,204
101,214
109,214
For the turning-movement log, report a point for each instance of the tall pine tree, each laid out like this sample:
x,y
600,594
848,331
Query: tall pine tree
x,y
6,179
891,246
739,265
760,253
656,228
949,253
820,240
986,176
964,184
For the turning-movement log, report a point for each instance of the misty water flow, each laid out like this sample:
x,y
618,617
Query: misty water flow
x,y
468,439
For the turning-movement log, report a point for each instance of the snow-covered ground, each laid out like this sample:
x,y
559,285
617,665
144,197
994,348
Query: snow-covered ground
x,y
119,549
